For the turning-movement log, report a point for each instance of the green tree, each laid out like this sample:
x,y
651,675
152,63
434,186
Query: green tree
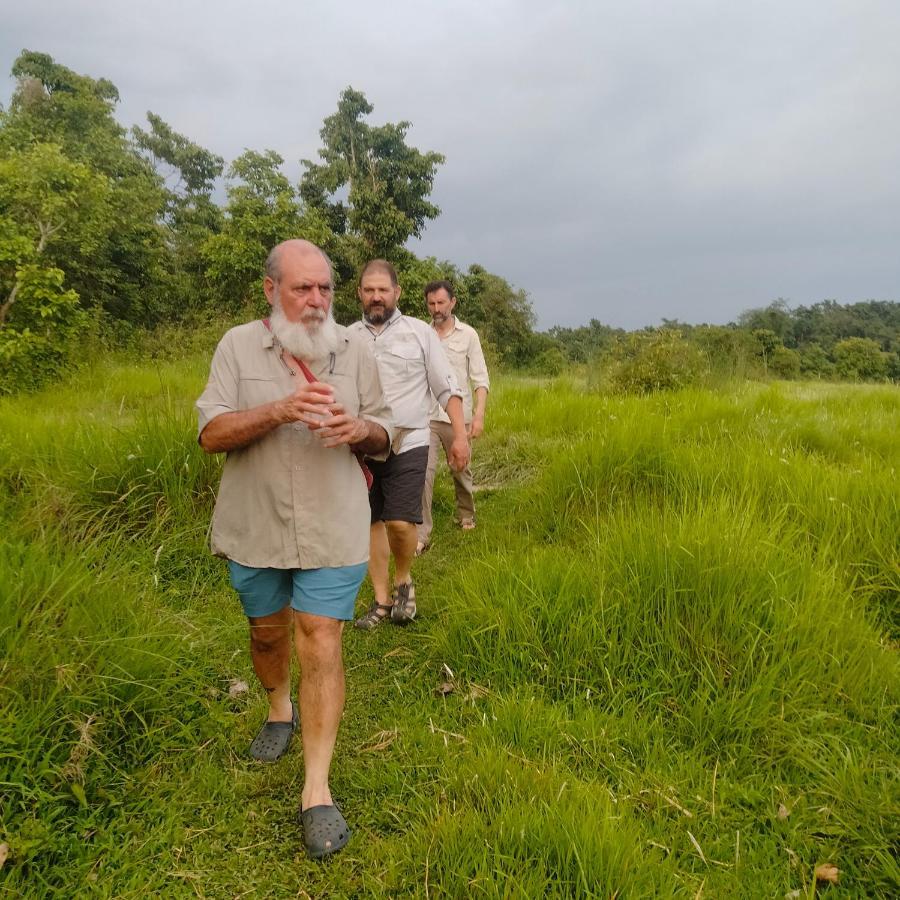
x,y
785,362
585,342
263,209
44,198
776,317
860,359
191,217
387,182
502,315
767,341
814,362
124,273
194,169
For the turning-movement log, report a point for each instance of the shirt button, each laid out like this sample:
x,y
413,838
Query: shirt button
x,y
298,426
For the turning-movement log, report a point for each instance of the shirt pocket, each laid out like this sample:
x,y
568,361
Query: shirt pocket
x,y
255,390
345,391
400,361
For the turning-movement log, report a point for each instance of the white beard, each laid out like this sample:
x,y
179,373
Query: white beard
x,y
311,339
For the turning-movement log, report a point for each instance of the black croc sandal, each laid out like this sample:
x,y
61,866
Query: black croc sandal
x,y
274,738
325,831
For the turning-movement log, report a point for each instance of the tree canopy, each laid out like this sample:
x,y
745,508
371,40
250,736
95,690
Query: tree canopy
x,y
387,182
106,231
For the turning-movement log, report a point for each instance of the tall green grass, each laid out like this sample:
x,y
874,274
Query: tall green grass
x,y
673,640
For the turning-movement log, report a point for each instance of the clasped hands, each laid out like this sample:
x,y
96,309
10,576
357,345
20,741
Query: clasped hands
x,y
314,405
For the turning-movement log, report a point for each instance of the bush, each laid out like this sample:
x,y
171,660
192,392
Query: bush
x,y
551,361
649,361
784,363
860,359
814,362
730,352
44,326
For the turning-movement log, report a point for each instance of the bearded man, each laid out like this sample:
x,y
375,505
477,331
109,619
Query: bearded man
x,y
414,370
463,349
291,401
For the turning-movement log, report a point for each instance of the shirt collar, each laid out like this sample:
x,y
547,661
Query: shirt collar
x,y
444,337
394,317
268,339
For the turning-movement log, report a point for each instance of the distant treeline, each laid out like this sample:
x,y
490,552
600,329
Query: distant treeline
x,y
854,341
107,233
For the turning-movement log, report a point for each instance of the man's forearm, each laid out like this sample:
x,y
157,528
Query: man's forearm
x,y
454,411
375,440
480,402
231,431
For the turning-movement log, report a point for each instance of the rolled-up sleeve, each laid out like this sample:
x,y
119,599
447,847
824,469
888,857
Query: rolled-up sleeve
x,y
441,378
478,373
221,392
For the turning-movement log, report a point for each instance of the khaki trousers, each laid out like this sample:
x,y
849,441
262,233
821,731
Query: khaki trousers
x,y
442,434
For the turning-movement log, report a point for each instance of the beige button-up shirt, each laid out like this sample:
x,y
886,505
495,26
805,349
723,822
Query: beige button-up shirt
x,y
285,501
463,350
413,367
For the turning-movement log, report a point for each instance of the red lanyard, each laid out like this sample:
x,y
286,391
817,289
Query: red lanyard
x,y
307,373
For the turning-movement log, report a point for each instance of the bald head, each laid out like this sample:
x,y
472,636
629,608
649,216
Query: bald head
x,y
295,249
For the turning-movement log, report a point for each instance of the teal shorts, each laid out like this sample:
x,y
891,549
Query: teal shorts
x,y
329,592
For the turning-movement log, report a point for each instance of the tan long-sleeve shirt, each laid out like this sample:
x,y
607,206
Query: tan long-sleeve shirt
x,y
463,350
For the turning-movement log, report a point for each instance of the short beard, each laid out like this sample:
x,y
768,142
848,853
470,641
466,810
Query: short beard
x,y
377,317
439,318
313,338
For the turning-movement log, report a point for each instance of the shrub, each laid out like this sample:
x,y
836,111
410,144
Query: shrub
x,y
730,352
814,362
44,327
551,361
860,359
784,363
649,361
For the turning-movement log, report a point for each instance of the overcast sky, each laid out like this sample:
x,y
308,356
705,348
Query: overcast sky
x,y
620,161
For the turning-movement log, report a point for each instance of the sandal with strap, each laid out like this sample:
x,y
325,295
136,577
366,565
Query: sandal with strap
x,y
325,831
274,738
376,614
403,609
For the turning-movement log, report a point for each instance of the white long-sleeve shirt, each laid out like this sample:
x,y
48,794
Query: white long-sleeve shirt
x,y
413,366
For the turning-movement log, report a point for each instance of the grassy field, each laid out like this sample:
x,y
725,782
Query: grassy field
x,y
673,644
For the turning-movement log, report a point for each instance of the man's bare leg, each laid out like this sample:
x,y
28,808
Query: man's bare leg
x,y
270,650
379,561
401,537
321,700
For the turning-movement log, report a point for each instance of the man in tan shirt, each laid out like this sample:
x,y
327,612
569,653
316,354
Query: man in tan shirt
x,y
463,349
292,513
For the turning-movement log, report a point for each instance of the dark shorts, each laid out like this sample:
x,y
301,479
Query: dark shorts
x,y
396,494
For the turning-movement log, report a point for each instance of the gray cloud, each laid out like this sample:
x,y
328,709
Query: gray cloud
x,y
625,162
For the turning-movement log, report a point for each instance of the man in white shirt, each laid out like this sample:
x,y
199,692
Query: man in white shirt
x,y
463,349
413,367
